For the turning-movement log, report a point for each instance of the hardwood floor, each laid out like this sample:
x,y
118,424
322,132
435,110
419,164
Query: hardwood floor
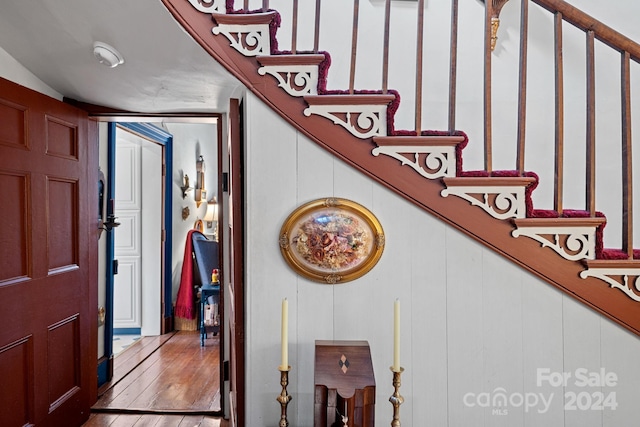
x,y
155,420
163,381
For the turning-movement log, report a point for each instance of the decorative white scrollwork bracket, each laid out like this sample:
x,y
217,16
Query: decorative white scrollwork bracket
x,y
509,202
438,162
611,275
249,40
579,244
296,80
371,120
209,6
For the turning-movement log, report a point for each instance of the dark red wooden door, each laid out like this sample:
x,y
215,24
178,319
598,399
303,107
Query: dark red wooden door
x,y
48,253
236,279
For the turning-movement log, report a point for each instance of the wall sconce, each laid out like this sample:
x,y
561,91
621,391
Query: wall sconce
x,y
212,215
185,186
201,193
212,212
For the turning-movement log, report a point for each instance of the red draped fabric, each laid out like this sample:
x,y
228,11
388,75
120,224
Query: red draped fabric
x,y
185,306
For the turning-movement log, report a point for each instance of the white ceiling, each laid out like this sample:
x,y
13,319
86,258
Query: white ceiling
x,y
164,70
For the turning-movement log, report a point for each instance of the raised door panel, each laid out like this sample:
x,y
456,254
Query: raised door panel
x,y
13,133
126,307
127,175
62,229
16,368
63,361
127,242
15,254
62,138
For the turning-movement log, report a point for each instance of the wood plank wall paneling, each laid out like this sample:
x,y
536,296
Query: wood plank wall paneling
x,y
502,336
543,344
273,283
428,339
471,321
313,301
627,371
464,323
582,350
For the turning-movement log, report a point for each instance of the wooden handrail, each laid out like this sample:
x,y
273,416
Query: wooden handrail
x,y
586,22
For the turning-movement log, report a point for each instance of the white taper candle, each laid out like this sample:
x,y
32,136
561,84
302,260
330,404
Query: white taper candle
x,y
396,336
285,334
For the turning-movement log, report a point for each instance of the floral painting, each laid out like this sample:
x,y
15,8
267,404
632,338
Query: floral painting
x,y
332,240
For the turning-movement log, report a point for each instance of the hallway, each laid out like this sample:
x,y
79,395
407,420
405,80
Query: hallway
x,y
168,380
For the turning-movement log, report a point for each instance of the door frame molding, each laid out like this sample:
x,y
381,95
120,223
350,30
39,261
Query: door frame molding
x,y
118,117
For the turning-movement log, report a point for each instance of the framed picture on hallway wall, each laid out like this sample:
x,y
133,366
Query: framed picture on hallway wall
x,y
331,240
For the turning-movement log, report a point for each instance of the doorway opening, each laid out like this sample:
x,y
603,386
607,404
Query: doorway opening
x,y
149,243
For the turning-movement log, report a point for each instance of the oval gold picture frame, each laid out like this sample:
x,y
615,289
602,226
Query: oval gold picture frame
x,y
331,240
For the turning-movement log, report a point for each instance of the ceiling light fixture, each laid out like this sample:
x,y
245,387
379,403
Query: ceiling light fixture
x,y
107,55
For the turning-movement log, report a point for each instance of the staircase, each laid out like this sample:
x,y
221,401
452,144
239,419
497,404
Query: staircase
x,y
562,246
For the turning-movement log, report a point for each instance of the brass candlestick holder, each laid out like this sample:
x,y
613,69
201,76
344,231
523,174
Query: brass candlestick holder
x,y
284,398
395,399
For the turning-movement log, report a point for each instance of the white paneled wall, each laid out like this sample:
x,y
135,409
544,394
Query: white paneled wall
x,y
189,141
474,326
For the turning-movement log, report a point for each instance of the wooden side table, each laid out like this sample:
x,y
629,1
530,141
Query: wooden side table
x,y
344,384
207,291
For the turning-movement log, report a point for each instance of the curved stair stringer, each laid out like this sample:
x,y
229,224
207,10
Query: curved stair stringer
x,y
425,193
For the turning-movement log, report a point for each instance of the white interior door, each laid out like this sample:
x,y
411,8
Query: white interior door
x,y
127,308
138,207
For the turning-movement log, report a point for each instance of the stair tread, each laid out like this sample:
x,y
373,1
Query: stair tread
x,y
488,181
559,222
244,18
613,263
350,99
423,140
290,59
